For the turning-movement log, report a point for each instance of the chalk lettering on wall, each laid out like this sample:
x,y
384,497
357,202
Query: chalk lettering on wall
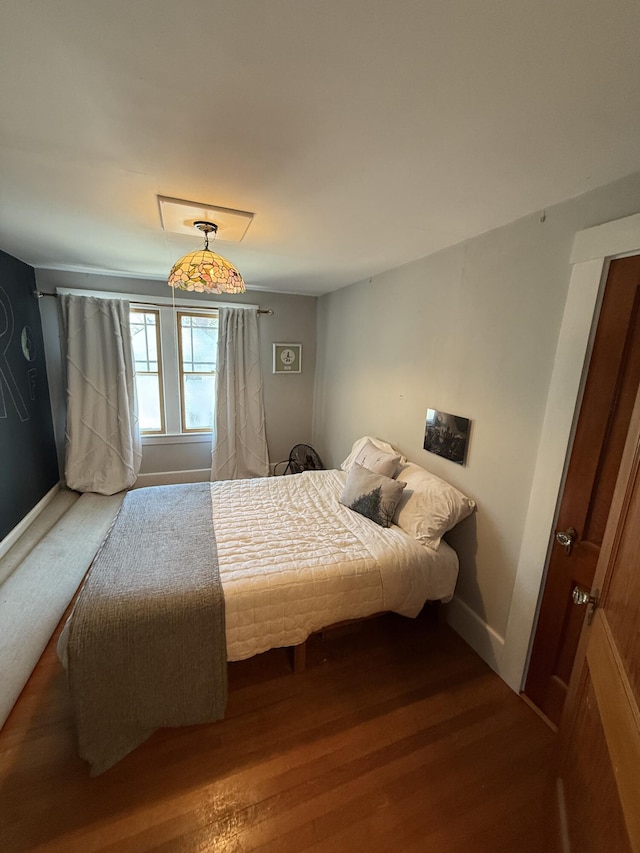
x,y
32,375
7,379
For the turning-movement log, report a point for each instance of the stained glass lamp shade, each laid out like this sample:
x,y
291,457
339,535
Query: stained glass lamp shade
x,y
205,272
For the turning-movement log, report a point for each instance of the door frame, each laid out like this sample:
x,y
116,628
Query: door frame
x,y
593,249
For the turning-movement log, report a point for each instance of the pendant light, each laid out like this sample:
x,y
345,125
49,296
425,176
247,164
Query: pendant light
x,y
203,271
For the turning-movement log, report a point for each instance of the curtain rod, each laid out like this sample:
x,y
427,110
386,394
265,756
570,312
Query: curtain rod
x,y
40,293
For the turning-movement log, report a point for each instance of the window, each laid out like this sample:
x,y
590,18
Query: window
x,y
175,360
197,345
145,334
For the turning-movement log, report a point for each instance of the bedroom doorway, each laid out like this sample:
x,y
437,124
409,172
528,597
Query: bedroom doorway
x,y
611,385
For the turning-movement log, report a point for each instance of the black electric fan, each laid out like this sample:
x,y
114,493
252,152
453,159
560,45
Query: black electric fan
x,y
302,457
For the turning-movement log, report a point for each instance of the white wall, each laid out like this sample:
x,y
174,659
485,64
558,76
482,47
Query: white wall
x,y
472,330
288,399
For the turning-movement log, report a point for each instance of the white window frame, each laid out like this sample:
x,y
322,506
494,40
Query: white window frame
x,y
171,391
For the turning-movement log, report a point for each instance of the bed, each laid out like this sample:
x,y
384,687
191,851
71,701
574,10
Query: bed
x,y
298,560
292,559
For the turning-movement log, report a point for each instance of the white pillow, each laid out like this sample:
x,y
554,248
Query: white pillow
x,y
429,506
360,443
378,461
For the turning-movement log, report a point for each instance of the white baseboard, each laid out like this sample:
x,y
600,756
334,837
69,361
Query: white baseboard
x,y
169,478
476,632
13,535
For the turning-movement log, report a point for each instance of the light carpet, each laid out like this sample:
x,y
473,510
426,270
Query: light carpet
x,y
39,588
39,528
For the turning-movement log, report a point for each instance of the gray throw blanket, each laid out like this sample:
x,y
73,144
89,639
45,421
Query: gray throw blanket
x,y
147,635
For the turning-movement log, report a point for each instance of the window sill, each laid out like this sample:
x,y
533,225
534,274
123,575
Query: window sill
x,y
183,438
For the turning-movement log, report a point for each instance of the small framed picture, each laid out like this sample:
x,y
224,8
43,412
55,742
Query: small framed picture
x,y
447,435
287,358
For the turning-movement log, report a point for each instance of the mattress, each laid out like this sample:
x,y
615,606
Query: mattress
x,y
293,560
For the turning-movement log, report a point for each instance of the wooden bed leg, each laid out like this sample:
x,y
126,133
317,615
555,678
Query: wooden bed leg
x,y
299,658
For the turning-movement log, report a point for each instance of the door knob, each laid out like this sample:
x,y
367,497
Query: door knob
x,y
566,538
581,596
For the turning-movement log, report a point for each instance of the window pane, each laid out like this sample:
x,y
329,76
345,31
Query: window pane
x,y
198,400
148,388
199,339
145,340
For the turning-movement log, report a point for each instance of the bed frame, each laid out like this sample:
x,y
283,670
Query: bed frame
x,y
299,652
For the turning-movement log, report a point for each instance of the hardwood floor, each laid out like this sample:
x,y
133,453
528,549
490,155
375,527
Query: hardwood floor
x,y
396,738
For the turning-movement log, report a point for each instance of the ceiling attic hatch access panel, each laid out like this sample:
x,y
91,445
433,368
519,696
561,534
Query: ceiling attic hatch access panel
x,y
178,217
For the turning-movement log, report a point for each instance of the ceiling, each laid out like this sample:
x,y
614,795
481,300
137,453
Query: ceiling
x,y
361,133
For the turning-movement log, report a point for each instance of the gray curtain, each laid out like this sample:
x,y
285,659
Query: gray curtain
x,y
103,449
240,441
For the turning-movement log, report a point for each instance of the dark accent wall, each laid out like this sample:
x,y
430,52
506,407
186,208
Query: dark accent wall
x,y
28,462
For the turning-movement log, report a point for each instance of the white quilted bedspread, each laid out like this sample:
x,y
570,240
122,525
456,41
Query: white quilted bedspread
x,y
293,560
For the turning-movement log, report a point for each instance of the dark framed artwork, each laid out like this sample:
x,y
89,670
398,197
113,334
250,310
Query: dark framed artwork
x,y
447,435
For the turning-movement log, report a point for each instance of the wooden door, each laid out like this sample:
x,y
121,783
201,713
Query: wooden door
x,y
612,381
599,770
